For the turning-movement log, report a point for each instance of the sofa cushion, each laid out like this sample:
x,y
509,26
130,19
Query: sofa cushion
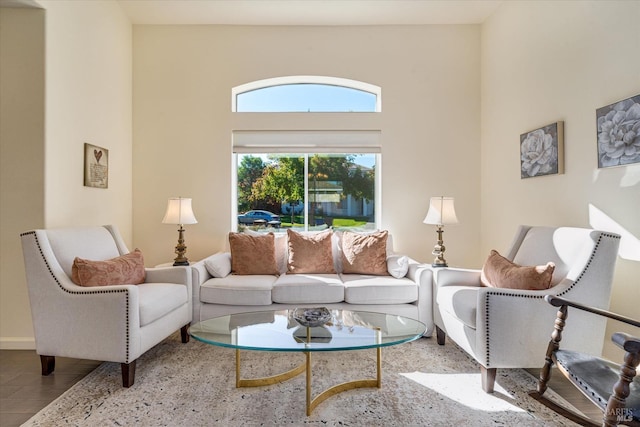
x,y
308,289
123,270
365,253
459,301
310,253
158,299
370,289
499,272
238,290
218,265
252,254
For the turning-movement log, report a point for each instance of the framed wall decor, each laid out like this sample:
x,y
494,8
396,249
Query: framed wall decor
x,y
96,166
618,127
542,151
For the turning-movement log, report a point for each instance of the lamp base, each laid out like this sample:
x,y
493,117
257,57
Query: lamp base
x,y
438,250
179,263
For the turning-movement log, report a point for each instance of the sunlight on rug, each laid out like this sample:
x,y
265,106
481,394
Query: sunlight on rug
x,y
463,388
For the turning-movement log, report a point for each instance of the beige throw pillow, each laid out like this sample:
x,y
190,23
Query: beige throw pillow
x,y
252,254
365,253
123,270
310,253
499,272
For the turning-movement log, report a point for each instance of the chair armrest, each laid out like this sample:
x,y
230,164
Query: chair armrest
x,y
626,342
558,302
448,276
178,275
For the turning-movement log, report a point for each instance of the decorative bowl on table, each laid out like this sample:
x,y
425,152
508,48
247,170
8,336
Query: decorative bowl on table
x,y
312,317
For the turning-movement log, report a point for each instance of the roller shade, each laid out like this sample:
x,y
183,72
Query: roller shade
x,y
367,141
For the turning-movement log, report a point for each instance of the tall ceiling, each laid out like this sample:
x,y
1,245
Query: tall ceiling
x,y
309,12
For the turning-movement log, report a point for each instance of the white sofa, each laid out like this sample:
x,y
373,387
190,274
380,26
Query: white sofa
x,y
409,296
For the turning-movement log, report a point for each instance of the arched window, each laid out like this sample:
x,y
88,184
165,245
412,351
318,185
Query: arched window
x,y
315,94
306,179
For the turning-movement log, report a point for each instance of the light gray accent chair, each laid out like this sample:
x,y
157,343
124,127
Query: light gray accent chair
x,y
109,323
509,328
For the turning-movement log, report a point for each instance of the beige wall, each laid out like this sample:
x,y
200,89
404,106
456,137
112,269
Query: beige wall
x,y
549,61
22,116
84,95
88,100
530,64
430,125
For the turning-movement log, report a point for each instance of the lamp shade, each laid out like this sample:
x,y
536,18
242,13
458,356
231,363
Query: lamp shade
x,y
441,211
179,211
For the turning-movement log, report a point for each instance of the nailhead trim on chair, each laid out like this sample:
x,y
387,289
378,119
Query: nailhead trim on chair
x,y
102,291
584,386
580,276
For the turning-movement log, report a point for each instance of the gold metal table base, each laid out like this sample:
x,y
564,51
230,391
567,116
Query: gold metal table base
x,y
306,366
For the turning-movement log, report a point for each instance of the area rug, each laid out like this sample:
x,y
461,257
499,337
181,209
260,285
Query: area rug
x,y
193,384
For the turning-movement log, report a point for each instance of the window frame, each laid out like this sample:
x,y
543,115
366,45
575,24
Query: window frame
x,y
377,202
319,80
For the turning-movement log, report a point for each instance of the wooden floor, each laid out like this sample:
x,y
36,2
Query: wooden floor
x,y
23,391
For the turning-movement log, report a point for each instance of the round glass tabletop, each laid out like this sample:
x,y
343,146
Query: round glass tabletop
x,y
280,331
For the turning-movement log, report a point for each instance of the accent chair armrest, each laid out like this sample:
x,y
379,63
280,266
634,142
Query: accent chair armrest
x,y
449,276
178,275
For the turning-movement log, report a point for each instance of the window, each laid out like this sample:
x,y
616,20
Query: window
x,y
306,94
306,191
306,179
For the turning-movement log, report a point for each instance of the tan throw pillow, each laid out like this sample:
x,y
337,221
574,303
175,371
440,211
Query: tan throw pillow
x,y
252,254
123,270
310,254
365,253
499,272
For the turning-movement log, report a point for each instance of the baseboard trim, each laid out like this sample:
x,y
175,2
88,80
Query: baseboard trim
x,y
17,343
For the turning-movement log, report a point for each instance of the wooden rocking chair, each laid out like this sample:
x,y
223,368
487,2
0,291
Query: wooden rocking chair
x,y
614,388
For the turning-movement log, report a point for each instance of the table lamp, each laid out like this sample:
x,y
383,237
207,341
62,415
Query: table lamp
x,y
441,212
179,212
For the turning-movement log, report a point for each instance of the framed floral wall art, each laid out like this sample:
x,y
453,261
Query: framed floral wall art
x,y
619,133
96,166
542,151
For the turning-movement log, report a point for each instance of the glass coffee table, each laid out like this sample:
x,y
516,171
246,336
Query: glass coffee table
x,y
308,330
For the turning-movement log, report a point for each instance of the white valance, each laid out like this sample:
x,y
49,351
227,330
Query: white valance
x,y
343,141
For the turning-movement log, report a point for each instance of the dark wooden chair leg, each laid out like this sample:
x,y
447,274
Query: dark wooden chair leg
x,y
440,335
128,373
616,411
488,378
184,333
554,345
48,364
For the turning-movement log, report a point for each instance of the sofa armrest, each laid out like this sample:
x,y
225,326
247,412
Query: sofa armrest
x,y
422,275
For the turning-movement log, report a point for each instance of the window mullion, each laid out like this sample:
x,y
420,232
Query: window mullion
x,y
306,192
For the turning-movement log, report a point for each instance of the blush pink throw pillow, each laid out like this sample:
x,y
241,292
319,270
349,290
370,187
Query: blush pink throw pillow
x,y
499,272
253,254
310,254
365,253
123,270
